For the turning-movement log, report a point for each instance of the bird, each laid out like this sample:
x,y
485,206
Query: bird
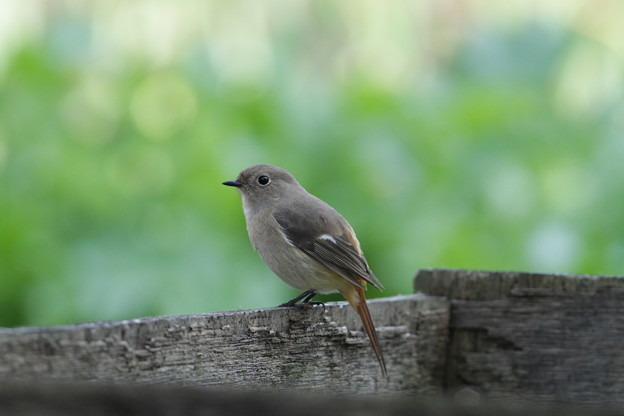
x,y
305,242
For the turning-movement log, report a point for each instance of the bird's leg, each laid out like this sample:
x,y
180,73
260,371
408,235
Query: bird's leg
x,y
306,296
306,301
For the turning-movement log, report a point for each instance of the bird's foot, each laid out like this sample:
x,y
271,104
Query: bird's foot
x,y
312,304
288,304
304,298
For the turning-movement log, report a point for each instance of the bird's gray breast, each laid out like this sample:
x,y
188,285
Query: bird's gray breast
x,y
285,258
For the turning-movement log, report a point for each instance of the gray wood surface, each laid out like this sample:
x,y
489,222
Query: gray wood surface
x,y
533,336
484,337
304,349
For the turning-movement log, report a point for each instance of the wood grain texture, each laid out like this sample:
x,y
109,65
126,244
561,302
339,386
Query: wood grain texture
x,y
307,349
533,336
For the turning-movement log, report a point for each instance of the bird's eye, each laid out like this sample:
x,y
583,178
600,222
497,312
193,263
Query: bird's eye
x,y
263,180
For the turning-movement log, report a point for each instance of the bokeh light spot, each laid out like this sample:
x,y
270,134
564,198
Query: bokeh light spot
x,y
162,104
553,247
91,111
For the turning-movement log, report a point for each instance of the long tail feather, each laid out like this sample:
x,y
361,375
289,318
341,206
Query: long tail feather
x,y
358,303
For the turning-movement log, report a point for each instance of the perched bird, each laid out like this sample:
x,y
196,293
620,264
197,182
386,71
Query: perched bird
x,y
307,243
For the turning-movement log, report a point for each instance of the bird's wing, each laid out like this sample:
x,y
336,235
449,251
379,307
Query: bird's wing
x,y
330,245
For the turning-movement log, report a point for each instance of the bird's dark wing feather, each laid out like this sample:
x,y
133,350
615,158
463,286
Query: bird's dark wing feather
x,y
327,243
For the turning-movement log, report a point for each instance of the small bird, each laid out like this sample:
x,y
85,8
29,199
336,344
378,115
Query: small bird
x,y
304,241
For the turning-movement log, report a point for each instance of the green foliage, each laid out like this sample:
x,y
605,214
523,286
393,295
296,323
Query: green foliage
x,y
110,198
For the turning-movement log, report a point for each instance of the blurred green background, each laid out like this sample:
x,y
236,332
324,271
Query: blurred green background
x,y
451,133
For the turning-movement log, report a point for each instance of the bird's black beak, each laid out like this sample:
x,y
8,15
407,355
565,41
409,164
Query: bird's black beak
x,y
232,183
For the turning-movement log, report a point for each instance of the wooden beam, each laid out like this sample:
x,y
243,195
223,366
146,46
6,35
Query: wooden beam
x,y
318,348
534,336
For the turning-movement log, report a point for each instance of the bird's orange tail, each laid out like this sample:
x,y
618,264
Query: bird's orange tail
x,y
358,301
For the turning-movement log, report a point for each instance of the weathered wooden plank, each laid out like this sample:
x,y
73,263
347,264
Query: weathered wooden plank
x,y
492,285
543,336
283,348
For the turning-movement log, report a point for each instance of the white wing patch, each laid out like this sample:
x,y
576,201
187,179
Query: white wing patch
x,y
327,237
283,233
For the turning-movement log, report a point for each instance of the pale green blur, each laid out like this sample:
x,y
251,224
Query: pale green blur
x,y
469,134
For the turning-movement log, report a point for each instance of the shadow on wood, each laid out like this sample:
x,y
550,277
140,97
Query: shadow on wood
x,y
119,400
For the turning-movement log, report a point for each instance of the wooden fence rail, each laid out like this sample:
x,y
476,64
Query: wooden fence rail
x,y
474,334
